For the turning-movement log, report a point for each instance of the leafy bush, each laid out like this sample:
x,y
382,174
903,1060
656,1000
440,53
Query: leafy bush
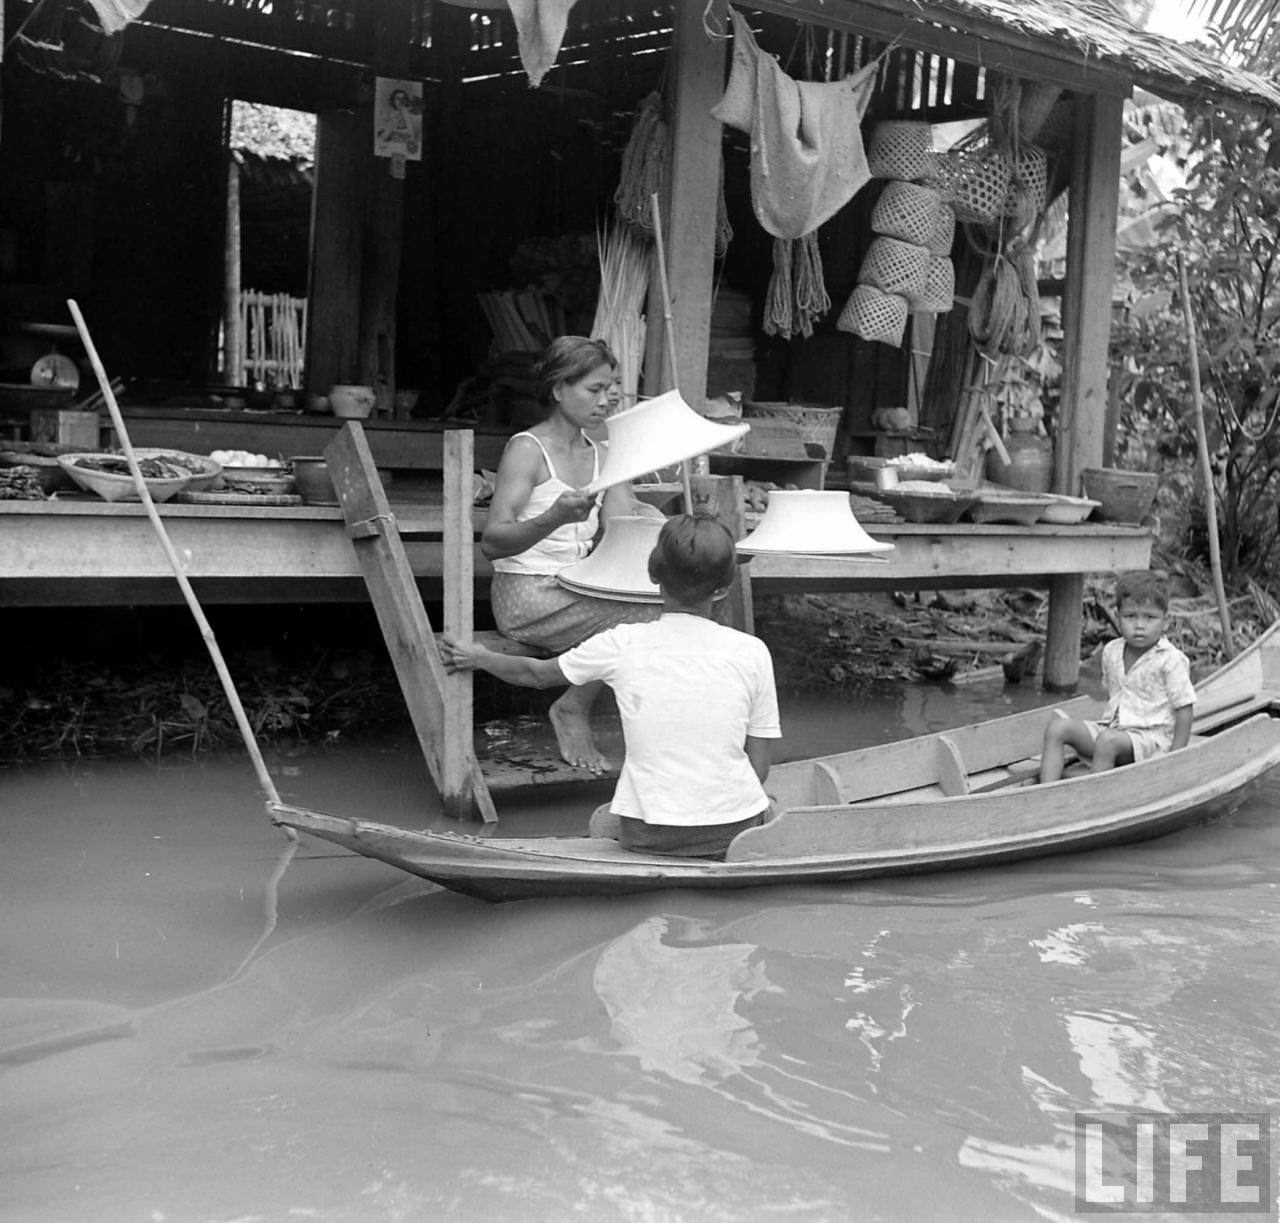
x,y
1224,226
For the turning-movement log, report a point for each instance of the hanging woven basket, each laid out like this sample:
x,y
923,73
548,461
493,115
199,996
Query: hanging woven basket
x,y
907,211
895,267
975,182
940,287
900,148
1028,186
874,315
943,235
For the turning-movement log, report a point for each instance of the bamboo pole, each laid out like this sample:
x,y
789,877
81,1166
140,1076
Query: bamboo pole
x,y
206,631
1206,468
669,323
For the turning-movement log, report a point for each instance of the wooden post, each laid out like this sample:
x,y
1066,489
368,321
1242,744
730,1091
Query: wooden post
x,y
232,334
337,250
693,199
384,220
723,497
458,758
1086,323
394,593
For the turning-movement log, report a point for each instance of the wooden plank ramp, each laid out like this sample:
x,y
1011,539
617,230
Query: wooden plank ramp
x,y
466,763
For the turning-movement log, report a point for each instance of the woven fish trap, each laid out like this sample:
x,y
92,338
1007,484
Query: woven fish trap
x,y
943,235
894,266
906,211
939,289
975,182
1028,186
874,315
900,148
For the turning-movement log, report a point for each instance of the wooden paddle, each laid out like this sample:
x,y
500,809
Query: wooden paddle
x,y
206,631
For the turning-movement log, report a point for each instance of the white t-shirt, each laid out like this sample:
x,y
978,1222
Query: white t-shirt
x,y
690,691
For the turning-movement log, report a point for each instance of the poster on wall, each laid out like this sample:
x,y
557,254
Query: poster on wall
x,y
397,119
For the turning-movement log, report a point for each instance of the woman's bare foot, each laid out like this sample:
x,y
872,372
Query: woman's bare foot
x,y
573,735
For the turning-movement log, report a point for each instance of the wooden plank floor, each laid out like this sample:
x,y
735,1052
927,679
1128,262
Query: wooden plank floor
x,y
519,752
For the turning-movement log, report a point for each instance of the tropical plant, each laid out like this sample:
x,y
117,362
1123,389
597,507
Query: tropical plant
x,y
1224,226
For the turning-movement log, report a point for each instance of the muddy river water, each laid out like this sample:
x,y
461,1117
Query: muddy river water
x,y
198,1025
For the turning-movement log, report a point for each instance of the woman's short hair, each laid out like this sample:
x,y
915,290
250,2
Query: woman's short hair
x,y
1142,586
569,358
693,558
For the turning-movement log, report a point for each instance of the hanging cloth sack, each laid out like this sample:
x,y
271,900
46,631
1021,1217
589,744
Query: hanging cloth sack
x,y
540,27
807,159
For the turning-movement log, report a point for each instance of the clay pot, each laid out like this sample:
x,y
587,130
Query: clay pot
x,y
312,481
352,402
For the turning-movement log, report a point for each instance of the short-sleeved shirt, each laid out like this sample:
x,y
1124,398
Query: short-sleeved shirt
x,y
1144,697
689,692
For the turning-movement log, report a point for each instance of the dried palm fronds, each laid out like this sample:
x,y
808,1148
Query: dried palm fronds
x,y
624,285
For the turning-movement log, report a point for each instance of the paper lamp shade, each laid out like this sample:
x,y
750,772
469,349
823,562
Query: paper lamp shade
x,y
810,523
656,433
620,564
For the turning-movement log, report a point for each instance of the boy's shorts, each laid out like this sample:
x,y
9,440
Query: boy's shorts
x,y
699,841
1146,742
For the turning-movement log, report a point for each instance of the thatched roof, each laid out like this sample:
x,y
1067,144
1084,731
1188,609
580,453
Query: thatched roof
x,y
1087,36
1181,72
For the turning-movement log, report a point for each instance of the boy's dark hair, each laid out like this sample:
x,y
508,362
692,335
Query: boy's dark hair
x,y
1142,586
570,358
693,558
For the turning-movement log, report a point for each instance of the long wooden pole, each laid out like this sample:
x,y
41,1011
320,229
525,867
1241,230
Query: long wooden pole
x,y
206,631
1206,468
660,254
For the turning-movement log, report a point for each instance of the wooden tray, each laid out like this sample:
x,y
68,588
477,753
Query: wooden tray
x,y
263,499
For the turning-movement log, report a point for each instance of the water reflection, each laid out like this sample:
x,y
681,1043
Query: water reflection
x,y
195,1026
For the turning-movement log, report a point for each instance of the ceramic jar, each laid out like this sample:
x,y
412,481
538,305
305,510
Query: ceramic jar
x,y
1030,466
352,402
311,479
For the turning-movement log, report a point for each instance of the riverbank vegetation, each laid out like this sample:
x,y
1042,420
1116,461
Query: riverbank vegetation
x,y
139,682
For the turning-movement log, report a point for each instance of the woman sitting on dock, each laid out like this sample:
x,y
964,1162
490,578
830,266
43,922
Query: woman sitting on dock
x,y
540,522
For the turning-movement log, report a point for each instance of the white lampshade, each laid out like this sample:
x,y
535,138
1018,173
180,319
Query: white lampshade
x,y
656,433
812,523
619,566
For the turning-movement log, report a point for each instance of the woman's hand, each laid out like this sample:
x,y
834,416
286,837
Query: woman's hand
x,y
571,506
459,655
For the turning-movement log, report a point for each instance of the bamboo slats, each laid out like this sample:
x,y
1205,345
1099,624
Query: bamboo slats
x,y
522,320
273,329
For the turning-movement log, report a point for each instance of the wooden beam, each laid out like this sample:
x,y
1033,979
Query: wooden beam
x,y
1086,301
403,619
384,220
1086,324
689,218
337,250
458,760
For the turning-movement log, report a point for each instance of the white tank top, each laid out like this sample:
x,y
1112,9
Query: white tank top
x,y
567,543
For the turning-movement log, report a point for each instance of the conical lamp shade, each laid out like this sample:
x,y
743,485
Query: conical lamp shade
x,y
656,433
620,563
812,523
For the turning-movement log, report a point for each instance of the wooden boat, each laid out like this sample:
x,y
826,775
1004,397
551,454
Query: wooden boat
x,y
940,801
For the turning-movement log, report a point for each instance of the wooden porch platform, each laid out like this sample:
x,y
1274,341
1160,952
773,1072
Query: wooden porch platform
x,y
78,550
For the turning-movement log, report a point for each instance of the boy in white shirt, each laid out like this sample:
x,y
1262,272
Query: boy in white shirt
x,y
697,701
1150,702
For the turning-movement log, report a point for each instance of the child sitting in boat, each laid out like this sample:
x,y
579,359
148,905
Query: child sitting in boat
x,y
1150,699
697,701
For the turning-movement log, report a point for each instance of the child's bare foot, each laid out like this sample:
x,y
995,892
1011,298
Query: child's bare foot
x,y
576,742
